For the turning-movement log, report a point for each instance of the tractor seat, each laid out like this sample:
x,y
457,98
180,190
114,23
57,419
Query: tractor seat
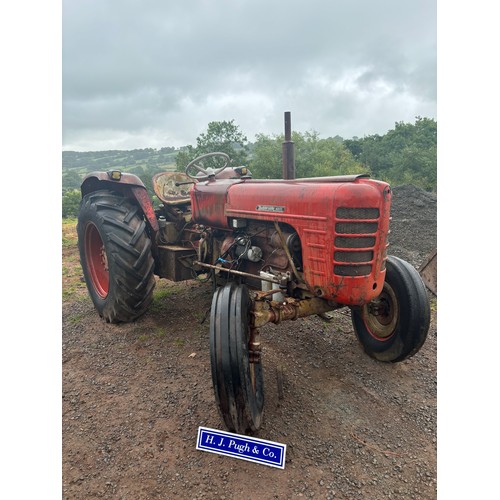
x,y
166,190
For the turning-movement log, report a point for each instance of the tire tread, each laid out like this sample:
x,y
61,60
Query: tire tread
x,y
128,248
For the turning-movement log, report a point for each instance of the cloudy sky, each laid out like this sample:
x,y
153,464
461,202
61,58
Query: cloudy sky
x,y
154,73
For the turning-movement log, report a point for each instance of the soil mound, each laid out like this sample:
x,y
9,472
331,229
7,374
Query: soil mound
x,y
414,224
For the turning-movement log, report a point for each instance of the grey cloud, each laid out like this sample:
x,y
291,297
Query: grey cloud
x,y
171,67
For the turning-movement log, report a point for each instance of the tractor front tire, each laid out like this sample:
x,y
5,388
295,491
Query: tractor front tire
x,y
394,326
237,380
115,254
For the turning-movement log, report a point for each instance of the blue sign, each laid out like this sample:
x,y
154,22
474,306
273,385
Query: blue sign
x,y
243,447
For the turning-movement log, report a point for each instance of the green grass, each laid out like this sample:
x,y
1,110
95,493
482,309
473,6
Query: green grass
x,y
74,271
160,293
69,236
68,293
72,283
178,342
76,318
157,333
201,315
160,333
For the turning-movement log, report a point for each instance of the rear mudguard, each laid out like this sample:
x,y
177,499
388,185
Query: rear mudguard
x,y
129,186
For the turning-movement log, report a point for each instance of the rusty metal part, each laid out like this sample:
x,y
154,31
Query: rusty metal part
x,y
254,345
226,245
311,180
171,262
104,258
288,150
287,251
239,273
92,180
142,197
290,309
381,315
128,185
262,294
428,272
377,307
166,186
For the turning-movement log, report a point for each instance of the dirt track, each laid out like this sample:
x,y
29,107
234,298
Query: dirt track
x,y
134,396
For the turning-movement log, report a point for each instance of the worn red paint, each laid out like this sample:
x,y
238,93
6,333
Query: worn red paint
x,y
129,184
309,206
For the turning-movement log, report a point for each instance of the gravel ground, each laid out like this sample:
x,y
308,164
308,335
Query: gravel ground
x,y
413,225
134,396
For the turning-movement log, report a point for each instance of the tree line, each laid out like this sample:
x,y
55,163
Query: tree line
x,y
406,154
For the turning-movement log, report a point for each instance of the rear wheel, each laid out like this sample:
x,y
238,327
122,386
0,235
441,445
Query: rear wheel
x,y
115,254
394,326
237,380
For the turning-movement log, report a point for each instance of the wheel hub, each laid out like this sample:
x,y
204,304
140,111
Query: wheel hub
x,y
381,315
104,258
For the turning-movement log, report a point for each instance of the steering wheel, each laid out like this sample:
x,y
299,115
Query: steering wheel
x,y
207,172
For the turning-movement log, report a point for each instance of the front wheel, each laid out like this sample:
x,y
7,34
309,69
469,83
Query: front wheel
x,y
237,377
115,254
394,326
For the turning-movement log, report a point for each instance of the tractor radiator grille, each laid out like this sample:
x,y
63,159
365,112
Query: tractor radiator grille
x,y
364,256
354,242
363,270
356,227
357,213
356,236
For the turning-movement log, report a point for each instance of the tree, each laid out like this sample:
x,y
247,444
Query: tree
x,y
314,157
184,156
71,180
225,137
71,203
406,154
266,162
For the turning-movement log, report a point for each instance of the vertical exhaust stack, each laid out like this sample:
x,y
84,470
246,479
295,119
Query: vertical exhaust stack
x,y
288,150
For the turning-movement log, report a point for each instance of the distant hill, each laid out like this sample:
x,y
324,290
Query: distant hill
x,y
116,158
141,162
406,154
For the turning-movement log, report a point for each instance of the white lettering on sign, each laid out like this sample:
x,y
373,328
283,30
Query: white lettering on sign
x,y
269,208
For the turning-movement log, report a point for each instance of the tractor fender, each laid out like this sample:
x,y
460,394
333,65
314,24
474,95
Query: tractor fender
x,y
128,185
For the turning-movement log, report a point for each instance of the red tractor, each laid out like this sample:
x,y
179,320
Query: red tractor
x,y
275,250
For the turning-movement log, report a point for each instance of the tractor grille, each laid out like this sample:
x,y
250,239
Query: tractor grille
x,y
357,213
356,227
363,270
355,230
354,242
364,256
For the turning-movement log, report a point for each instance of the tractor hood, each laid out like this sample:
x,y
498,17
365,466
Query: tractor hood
x,y
216,203
342,224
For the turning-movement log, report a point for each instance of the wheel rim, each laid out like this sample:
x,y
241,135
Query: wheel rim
x,y
381,315
96,259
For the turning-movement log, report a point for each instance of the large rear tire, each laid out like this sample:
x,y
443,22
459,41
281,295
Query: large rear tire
x,y
238,382
394,326
115,254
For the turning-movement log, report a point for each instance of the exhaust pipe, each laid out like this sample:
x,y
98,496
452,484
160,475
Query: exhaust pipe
x,y
288,149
